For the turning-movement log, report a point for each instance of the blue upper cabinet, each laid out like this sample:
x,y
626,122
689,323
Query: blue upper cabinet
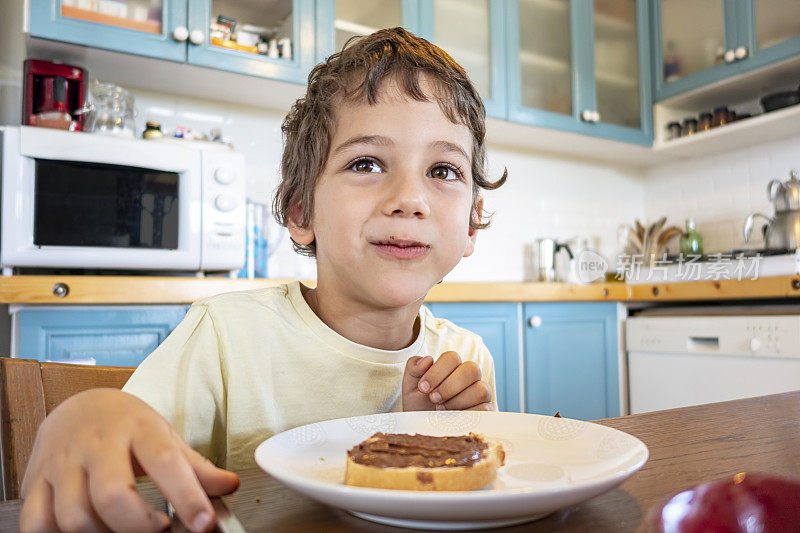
x,y
144,27
272,39
481,50
699,43
339,20
498,326
581,66
572,360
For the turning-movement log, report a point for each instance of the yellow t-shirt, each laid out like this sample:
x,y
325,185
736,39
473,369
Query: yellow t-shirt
x,y
244,366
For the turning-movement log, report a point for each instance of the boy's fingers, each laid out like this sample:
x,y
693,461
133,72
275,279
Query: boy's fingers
x,y
215,481
112,488
37,508
73,510
458,380
474,395
415,368
437,373
489,406
164,461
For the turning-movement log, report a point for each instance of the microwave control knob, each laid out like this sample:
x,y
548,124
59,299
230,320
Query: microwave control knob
x,y
223,176
225,203
755,344
180,34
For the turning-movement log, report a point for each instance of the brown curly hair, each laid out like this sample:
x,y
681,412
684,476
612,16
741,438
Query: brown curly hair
x,y
357,72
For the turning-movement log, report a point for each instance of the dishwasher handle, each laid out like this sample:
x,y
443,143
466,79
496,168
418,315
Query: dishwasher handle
x,y
702,344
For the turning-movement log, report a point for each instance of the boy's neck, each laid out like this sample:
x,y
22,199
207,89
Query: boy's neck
x,y
392,329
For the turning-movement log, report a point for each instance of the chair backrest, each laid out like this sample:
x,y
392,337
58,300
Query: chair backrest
x,y
29,391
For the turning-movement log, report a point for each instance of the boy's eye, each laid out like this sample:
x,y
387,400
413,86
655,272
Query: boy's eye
x,y
365,165
445,172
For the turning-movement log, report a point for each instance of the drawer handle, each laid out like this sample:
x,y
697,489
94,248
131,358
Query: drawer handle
x,y
535,321
60,290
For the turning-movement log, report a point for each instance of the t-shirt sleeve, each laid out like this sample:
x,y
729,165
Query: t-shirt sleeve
x,y
487,372
183,380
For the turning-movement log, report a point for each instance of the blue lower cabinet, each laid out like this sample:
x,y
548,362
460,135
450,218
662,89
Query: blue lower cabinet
x,y
498,325
113,336
571,359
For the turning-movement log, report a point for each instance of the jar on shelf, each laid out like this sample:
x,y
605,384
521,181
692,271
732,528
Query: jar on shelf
x,y
704,124
153,130
721,116
673,130
689,127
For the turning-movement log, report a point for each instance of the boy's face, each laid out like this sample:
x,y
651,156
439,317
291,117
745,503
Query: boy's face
x,y
392,205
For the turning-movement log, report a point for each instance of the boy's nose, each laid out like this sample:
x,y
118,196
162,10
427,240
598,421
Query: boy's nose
x,y
407,197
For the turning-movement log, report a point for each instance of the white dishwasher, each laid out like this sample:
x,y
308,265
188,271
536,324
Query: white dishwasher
x,y
690,359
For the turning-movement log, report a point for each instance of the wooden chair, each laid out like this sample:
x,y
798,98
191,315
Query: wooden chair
x,y
29,391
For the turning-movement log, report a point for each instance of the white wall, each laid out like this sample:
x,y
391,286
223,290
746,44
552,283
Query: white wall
x,y
545,196
719,191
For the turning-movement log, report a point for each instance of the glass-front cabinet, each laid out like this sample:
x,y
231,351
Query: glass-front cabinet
x,y
267,38
340,20
480,50
270,38
580,65
698,43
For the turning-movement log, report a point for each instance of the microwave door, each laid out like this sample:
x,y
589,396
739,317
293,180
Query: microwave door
x,y
90,213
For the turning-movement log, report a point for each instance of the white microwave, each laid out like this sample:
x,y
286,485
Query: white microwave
x,y
81,200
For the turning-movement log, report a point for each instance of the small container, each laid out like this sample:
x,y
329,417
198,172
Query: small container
x,y
689,127
704,124
673,130
721,116
691,243
152,130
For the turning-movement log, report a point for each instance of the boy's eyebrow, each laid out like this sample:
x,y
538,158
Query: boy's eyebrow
x,y
382,140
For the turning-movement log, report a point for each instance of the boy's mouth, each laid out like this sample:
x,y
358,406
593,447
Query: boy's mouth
x,y
402,248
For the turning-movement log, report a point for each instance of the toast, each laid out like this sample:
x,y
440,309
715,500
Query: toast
x,y
422,462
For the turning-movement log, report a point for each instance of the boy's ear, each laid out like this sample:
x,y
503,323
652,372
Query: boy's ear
x,y
300,235
475,216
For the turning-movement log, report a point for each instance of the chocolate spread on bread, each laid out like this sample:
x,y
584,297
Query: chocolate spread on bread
x,y
385,450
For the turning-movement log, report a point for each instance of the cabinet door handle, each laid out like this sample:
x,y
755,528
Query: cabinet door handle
x,y
587,115
180,34
196,37
741,52
595,116
535,321
730,56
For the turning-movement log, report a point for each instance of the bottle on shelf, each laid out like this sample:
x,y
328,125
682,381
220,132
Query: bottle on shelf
x,y
691,243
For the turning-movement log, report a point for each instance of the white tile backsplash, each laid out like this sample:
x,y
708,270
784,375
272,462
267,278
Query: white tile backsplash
x,y
721,190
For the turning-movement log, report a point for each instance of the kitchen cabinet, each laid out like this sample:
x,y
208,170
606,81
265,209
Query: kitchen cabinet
x,y
481,51
581,66
498,325
339,20
180,30
699,43
108,335
572,359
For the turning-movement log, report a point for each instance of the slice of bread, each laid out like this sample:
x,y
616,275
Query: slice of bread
x,y
473,476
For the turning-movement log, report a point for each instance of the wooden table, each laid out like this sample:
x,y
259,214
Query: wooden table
x,y
687,446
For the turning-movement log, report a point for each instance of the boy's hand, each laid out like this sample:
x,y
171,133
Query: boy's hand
x,y
82,472
446,384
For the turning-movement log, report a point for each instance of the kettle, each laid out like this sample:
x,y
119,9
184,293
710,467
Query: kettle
x,y
783,230
546,261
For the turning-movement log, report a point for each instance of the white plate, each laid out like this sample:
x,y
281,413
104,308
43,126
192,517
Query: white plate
x,y
551,463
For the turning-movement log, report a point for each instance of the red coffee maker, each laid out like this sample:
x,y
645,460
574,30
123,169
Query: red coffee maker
x,y
54,92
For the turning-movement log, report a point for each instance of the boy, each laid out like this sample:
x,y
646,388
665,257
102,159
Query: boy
x,y
382,165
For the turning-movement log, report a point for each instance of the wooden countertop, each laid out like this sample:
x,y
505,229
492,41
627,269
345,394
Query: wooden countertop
x,y
688,446
178,290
